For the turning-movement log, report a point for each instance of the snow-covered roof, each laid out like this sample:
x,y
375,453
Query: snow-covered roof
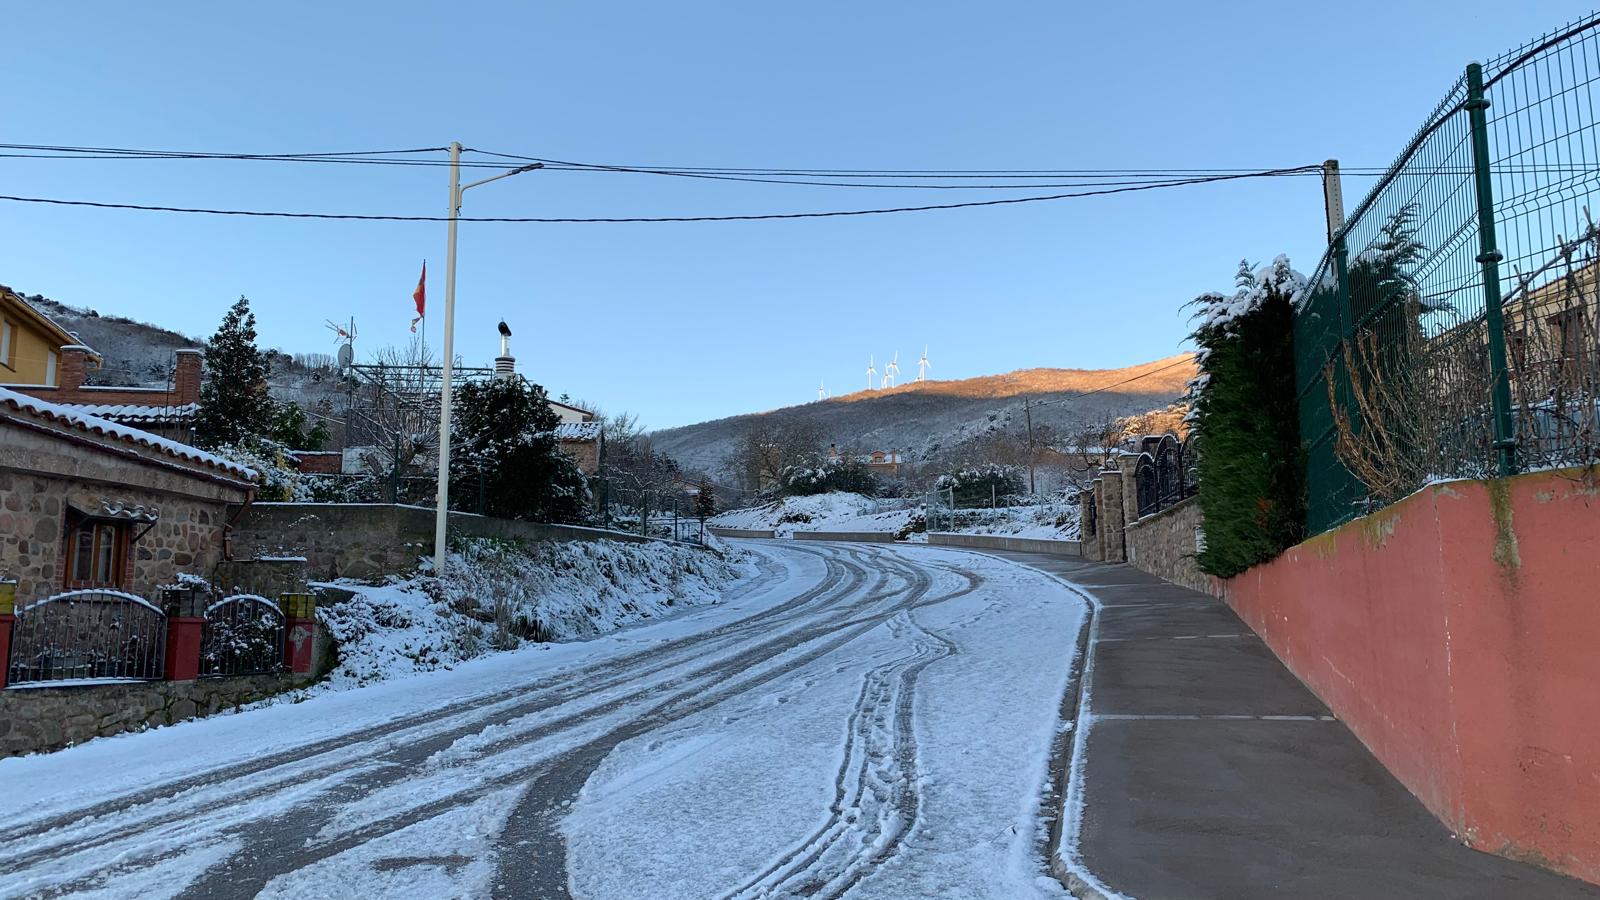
x,y
83,421
130,413
578,431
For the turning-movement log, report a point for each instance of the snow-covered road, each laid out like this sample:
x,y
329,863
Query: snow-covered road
x,y
856,720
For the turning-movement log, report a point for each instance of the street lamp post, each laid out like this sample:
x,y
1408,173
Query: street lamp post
x,y
441,518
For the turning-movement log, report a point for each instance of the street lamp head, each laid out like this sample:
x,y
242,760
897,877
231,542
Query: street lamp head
x,y
527,168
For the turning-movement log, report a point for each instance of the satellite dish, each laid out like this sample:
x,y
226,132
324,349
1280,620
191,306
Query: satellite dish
x,y
346,356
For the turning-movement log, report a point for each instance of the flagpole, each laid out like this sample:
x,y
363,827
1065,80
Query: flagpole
x,y
441,516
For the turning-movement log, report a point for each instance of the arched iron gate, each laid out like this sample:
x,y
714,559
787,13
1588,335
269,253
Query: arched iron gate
x,y
1164,474
243,635
88,635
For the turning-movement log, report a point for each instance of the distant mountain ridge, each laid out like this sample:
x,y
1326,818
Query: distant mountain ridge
x,y
922,419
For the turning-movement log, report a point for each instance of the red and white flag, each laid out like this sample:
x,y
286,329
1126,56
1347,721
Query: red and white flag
x,y
420,295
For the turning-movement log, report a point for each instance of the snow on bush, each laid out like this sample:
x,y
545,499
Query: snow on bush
x,y
499,595
983,484
816,512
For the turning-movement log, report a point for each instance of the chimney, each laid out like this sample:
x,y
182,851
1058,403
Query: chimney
x,y
505,365
186,378
74,368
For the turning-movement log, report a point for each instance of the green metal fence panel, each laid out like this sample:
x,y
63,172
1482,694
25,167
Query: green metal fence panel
x,y
1442,286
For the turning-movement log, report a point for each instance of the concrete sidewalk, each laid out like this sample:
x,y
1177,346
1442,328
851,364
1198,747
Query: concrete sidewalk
x,y
1210,771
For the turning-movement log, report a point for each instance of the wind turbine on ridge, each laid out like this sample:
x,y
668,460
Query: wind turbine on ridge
x,y
822,390
872,372
923,365
892,370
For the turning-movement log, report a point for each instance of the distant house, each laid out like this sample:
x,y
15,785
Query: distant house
x,y
41,359
881,462
580,435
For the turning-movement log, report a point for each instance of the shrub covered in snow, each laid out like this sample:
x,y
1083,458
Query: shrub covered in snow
x,y
277,479
981,485
839,473
499,595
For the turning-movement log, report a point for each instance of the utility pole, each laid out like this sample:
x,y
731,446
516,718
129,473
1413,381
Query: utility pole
x,y
441,516
1332,198
1027,411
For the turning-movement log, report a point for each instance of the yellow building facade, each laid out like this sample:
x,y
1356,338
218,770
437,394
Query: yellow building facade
x,y
30,344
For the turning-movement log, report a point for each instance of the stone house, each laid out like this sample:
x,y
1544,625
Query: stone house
x,y
88,503
584,442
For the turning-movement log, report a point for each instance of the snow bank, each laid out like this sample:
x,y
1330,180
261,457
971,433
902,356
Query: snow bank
x,y
852,512
500,596
818,512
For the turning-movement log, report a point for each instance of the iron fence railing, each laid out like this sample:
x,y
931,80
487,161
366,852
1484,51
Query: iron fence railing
x,y
87,634
1450,330
1164,474
242,635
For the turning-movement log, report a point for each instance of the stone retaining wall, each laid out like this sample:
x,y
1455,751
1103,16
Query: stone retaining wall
x,y
365,540
740,532
871,537
36,720
1002,542
1164,544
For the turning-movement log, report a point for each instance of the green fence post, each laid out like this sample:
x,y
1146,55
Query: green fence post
x,y
1505,439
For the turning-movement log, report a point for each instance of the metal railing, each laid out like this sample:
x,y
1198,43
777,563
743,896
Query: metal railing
x,y
1164,474
242,635
88,634
1450,330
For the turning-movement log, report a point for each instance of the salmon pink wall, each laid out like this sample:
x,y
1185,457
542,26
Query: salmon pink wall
x,y
1457,633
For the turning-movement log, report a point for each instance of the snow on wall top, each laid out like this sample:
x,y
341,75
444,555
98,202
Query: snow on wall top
x,y
83,421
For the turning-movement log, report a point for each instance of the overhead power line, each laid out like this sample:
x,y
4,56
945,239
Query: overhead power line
x,y
621,219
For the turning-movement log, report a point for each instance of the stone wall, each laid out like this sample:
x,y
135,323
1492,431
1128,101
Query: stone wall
x,y
1005,542
37,720
741,532
1164,544
365,540
267,577
871,537
585,453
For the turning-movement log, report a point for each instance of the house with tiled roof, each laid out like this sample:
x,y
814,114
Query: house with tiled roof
x,y
41,359
88,503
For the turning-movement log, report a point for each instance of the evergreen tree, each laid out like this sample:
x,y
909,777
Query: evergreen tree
x,y
234,406
507,461
705,502
290,427
1246,417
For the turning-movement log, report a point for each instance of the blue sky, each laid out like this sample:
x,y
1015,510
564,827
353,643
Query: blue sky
x,y
683,322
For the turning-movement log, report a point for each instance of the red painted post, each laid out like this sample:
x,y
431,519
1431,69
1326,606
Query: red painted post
x,y
300,630
185,608
8,605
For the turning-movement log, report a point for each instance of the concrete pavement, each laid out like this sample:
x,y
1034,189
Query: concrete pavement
x,y
1210,771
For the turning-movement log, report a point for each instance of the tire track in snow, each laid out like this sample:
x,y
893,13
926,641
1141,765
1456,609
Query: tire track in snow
x,y
401,745
877,791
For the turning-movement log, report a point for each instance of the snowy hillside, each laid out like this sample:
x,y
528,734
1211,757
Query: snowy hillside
x,y
498,596
920,420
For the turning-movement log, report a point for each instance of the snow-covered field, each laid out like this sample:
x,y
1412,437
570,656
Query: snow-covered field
x,y
864,720
840,511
